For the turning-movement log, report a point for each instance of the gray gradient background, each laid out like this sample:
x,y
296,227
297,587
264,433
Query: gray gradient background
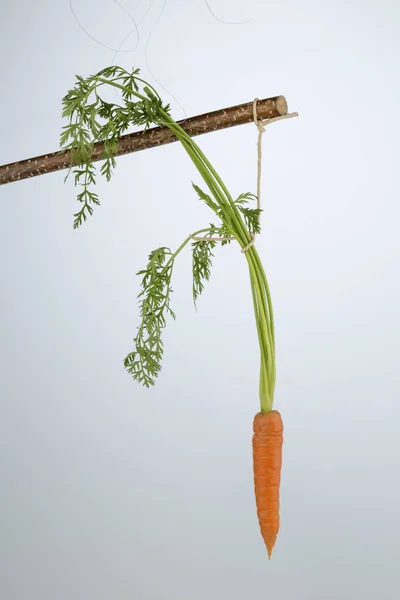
x,y
113,492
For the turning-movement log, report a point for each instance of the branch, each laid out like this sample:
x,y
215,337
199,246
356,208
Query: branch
x,y
157,136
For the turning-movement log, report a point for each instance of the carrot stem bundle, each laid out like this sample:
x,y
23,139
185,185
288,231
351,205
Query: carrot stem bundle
x,y
259,285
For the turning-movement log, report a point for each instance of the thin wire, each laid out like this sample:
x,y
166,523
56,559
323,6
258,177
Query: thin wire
x,y
117,92
135,28
147,62
225,22
131,31
118,50
147,10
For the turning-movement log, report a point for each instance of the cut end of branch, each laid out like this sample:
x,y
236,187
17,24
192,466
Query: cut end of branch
x,y
281,105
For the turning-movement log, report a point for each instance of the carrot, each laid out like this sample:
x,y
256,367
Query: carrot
x,y
236,221
267,462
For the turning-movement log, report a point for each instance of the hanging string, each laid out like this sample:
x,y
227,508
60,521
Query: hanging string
x,y
261,125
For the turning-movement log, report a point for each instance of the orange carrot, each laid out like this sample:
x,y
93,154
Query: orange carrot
x,y
267,462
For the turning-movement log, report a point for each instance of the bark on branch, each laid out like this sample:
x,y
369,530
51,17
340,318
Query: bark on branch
x,y
157,136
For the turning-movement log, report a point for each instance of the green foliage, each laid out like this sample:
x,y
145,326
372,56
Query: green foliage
x,y
223,229
92,119
250,215
202,261
144,363
206,198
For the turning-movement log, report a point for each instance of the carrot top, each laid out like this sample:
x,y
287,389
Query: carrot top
x,y
92,119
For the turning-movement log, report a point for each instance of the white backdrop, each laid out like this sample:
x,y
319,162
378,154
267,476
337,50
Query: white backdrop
x,y
110,491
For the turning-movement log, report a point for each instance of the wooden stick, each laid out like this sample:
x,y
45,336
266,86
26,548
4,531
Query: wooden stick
x,y
157,136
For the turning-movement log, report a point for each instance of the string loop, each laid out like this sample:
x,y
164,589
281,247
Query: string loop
x,y
261,125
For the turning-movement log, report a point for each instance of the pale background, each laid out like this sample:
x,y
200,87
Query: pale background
x,y
113,492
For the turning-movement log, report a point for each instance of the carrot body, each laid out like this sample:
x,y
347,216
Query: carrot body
x,y
267,462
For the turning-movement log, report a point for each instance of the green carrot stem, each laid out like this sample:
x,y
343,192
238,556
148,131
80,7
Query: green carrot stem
x,y
233,223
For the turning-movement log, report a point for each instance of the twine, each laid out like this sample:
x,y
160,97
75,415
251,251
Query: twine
x,y
261,125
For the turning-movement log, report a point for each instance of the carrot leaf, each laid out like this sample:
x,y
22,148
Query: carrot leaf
x,y
202,261
93,119
144,363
